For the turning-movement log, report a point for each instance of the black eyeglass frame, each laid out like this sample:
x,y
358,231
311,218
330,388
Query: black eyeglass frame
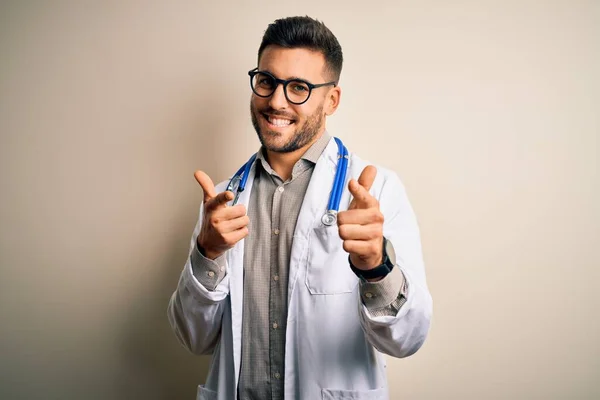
x,y
252,73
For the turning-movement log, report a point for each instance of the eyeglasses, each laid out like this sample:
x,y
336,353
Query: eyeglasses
x,y
297,91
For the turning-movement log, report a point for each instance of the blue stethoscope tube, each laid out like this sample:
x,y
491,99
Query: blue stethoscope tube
x,y
240,177
330,217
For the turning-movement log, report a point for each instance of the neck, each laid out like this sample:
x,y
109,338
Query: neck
x,y
283,163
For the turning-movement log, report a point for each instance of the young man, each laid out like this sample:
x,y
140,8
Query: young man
x,y
290,304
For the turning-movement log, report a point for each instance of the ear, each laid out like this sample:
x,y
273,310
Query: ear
x,y
332,101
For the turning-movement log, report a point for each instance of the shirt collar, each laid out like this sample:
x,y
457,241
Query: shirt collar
x,y
312,154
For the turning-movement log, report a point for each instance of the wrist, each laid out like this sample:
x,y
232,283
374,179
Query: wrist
x,y
365,265
378,272
211,255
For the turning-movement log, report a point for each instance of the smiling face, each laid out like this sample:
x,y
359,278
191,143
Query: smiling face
x,y
284,127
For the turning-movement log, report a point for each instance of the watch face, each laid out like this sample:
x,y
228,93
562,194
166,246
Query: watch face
x,y
389,249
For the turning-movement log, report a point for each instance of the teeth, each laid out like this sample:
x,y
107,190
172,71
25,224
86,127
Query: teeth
x,y
279,121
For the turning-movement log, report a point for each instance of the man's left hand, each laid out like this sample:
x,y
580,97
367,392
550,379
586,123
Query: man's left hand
x,y
361,226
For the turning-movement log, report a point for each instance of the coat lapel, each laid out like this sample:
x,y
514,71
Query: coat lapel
x,y
313,208
236,283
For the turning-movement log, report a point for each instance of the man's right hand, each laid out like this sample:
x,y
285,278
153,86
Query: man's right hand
x,y
222,226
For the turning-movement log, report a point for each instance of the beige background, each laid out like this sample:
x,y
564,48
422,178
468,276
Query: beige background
x,y
488,110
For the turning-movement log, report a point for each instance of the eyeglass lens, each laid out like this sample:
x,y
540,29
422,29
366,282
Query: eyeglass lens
x,y
264,85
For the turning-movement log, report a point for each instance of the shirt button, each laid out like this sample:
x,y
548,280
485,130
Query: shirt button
x,y
368,295
276,278
280,188
277,376
276,231
222,269
211,273
275,326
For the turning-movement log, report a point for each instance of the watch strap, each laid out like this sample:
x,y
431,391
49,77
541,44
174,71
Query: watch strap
x,y
378,272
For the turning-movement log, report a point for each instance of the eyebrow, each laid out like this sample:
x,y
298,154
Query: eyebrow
x,y
291,78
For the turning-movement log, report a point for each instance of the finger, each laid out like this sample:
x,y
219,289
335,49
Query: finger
x,y
367,177
222,214
219,200
361,197
233,224
361,248
361,232
207,185
360,217
233,237
227,213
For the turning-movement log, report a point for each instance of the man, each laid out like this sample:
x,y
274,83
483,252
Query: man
x,y
289,307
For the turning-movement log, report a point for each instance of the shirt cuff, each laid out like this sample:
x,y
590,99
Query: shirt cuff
x,y
208,272
385,297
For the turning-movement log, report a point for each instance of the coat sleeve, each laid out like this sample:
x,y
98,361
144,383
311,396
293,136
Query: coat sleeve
x,y
401,335
195,313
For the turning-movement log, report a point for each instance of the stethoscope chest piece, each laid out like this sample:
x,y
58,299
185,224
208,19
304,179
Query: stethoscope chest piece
x,y
329,218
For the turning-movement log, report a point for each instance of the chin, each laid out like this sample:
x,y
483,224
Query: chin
x,y
273,141
284,135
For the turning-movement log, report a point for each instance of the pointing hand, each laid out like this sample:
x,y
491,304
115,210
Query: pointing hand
x,y
222,226
361,226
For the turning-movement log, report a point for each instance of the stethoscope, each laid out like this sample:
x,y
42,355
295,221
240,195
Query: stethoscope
x,y
237,184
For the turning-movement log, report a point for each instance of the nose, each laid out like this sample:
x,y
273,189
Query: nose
x,y
277,101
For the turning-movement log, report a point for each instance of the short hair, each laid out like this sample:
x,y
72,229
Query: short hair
x,y
308,33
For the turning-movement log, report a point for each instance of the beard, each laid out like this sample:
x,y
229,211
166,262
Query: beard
x,y
303,134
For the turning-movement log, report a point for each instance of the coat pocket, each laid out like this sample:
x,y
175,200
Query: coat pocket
x,y
328,269
334,394
206,394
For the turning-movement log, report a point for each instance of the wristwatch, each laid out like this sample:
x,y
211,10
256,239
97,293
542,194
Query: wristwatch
x,y
388,262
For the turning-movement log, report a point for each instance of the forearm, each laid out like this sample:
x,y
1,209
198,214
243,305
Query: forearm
x,y
403,333
195,313
385,297
207,271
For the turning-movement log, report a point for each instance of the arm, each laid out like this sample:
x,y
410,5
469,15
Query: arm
x,y
196,308
195,311
403,333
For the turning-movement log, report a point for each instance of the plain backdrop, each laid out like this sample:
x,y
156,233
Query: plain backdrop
x,y
489,111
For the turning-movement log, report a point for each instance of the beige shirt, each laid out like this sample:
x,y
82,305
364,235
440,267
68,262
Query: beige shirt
x,y
273,210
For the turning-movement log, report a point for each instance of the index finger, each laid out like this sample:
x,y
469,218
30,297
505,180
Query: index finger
x,y
219,200
362,197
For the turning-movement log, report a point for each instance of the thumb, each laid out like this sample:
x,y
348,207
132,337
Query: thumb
x,y
207,185
367,177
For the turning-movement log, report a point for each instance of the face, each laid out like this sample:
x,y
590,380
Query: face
x,y
285,127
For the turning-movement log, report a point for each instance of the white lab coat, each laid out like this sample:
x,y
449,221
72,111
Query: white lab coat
x,y
334,347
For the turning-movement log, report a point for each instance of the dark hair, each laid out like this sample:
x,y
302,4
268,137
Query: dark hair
x,y
305,32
